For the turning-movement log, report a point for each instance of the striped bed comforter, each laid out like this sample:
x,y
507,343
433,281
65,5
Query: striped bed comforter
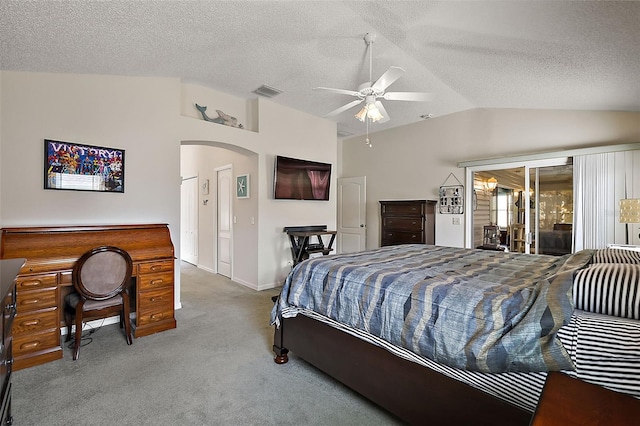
x,y
469,309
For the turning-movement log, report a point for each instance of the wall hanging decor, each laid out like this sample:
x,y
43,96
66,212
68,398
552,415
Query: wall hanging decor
x,y
451,197
222,118
242,186
82,167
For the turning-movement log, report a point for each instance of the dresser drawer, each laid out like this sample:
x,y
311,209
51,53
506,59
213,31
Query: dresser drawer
x,y
35,300
35,282
403,209
34,322
156,313
151,281
391,238
34,342
403,223
153,267
156,297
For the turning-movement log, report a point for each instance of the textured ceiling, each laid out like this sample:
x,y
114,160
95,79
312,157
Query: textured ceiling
x,y
582,55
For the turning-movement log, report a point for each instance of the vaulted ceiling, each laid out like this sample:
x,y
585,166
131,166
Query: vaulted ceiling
x,y
579,55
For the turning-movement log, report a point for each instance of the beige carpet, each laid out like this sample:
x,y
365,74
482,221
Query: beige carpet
x,y
216,368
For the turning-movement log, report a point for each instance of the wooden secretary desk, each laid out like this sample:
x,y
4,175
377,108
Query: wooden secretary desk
x,y
46,278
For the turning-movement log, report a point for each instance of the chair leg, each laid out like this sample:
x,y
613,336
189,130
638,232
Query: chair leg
x,y
76,345
126,318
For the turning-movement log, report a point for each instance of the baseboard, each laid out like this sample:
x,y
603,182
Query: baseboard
x,y
94,324
250,285
205,268
270,286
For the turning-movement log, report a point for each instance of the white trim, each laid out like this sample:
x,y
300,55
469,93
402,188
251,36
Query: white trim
x,y
550,155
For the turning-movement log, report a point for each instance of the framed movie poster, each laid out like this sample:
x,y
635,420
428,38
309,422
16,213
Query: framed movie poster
x,y
82,167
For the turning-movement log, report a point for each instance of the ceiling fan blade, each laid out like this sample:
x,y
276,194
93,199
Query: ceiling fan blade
x,y
343,108
387,79
408,96
385,114
339,91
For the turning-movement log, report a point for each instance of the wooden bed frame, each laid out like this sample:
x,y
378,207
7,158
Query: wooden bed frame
x,y
408,390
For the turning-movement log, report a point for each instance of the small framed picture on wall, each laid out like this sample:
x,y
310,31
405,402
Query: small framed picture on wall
x,y
242,186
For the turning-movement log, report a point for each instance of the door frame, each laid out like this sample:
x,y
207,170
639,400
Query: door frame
x,y
215,219
196,201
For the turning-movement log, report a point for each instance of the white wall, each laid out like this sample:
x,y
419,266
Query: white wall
x,y
149,118
138,115
411,162
274,130
1,133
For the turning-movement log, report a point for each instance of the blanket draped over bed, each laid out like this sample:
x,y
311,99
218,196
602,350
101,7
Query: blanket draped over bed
x,y
471,309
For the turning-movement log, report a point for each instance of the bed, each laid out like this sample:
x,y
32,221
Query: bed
x,y
441,335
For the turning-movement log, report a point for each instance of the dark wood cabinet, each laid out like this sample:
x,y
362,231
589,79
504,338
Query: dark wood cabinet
x,y
407,222
568,401
8,271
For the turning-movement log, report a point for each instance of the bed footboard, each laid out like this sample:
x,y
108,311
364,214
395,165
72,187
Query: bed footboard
x,y
414,393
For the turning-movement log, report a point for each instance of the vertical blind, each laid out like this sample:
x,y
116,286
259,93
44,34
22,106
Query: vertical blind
x,y
599,182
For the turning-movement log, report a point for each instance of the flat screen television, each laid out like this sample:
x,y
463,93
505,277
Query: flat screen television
x,y
296,179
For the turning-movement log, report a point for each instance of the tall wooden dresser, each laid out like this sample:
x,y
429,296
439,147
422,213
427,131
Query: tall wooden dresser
x,y
407,222
46,278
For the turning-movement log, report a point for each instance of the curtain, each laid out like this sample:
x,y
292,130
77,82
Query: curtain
x,y
319,183
595,200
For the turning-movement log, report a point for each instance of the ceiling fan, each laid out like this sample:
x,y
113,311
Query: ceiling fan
x,y
369,92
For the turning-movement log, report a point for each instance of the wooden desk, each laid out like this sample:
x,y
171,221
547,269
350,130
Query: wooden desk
x,y
301,245
46,278
566,401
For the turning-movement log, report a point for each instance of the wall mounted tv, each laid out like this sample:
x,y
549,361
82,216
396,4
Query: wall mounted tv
x,y
296,179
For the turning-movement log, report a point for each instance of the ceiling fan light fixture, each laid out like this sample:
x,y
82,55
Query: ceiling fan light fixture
x,y
369,111
374,113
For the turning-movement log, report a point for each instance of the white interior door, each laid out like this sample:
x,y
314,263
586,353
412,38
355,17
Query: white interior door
x,y
189,220
224,229
352,201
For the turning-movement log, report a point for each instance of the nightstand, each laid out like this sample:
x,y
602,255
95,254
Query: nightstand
x,y
566,401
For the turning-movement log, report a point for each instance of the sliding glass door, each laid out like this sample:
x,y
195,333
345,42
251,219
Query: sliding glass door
x,y
552,201
529,206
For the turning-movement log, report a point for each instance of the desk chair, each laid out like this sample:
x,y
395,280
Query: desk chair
x,y
101,279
